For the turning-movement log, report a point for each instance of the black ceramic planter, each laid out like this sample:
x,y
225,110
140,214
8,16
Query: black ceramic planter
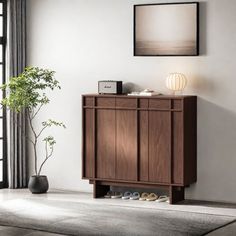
x,y
38,184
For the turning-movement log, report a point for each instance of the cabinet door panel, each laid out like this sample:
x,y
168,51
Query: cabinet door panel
x,y
143,145
177,147
88,143
105,144
126,141
159,146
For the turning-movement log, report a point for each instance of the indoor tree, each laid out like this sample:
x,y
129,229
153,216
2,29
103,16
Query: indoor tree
x,y
27,93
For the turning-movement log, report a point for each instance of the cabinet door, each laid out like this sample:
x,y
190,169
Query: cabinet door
x,y
159,146
105,142
126,145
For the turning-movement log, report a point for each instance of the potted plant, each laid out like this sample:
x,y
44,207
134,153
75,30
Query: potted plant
x,y
27,93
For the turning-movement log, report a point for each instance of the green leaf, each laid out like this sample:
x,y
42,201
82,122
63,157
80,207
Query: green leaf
x,y
50,140
51,122
26,91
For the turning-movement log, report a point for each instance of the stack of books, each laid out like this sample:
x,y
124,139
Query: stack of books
x,y
146,92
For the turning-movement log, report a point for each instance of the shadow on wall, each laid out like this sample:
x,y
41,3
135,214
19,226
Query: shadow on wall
x,y
216,153
131,87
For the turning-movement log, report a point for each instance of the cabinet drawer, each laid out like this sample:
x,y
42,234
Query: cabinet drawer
x,y
88,101
105,102
160,103
143,103
177,104
126,103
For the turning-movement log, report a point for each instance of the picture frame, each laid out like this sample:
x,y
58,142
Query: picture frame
x,y
166,29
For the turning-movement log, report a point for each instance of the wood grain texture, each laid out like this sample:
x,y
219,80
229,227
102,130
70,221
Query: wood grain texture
x,y
105,102
123,102
178,148
89,144
106,144
88,101
159,103
159,146
143,103
126,145
177,104
143,146
132,185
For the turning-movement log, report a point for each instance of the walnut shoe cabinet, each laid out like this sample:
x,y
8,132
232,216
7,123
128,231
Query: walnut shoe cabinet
x,y
139,142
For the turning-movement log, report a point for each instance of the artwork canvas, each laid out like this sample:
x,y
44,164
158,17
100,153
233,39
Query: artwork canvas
x,y
169,29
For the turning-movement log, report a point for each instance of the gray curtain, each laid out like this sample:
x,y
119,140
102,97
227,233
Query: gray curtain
x,y
16,128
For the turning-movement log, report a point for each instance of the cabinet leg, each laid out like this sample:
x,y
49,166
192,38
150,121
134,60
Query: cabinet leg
x,y
99,190
176,194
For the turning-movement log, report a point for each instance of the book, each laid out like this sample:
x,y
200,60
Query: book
x,y
146,92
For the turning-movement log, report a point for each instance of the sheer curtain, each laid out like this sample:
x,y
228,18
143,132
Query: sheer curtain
x,y
16,123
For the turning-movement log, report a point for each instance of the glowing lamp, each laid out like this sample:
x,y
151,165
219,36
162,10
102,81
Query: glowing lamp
x,y
176,82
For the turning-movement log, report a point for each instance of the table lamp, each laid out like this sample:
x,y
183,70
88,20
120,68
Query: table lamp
x,y
176,82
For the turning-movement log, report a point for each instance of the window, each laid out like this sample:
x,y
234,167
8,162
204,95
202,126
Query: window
x,y
3,33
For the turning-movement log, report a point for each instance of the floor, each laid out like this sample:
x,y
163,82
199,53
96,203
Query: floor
x,y
192,206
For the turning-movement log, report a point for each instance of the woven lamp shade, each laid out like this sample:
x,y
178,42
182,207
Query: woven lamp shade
x,y
176,82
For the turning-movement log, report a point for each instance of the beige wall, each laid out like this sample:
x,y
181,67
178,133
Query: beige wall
x,y
89,40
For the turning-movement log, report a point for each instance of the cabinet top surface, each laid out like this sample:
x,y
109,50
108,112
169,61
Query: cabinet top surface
x,y
127,96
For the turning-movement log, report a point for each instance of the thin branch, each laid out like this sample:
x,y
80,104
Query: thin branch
x,y
31,125
30,140
31,111
47,156
41,131
37,111
35,142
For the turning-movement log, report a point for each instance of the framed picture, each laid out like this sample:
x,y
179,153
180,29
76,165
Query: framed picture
x,y
166,29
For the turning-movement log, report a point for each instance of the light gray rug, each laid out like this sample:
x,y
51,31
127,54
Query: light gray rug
x,y
83,219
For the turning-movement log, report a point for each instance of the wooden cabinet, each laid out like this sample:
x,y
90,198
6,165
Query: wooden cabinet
x,y
139,142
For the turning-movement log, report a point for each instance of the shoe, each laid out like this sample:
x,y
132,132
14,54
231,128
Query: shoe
x,y
162,198
116,195
143,196
152,197
135,196
127,195
108,195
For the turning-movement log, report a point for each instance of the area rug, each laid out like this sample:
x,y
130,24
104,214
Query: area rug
x,y
84,219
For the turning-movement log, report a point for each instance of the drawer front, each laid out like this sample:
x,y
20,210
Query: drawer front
x,y
160,103
105,102
177,104
143,103
88,101
126,103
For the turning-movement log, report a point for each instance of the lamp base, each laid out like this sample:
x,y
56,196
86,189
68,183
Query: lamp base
x,y
175,93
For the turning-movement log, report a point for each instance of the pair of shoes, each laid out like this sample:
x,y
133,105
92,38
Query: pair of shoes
x,y
113,195
163,198
132,196
148,197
